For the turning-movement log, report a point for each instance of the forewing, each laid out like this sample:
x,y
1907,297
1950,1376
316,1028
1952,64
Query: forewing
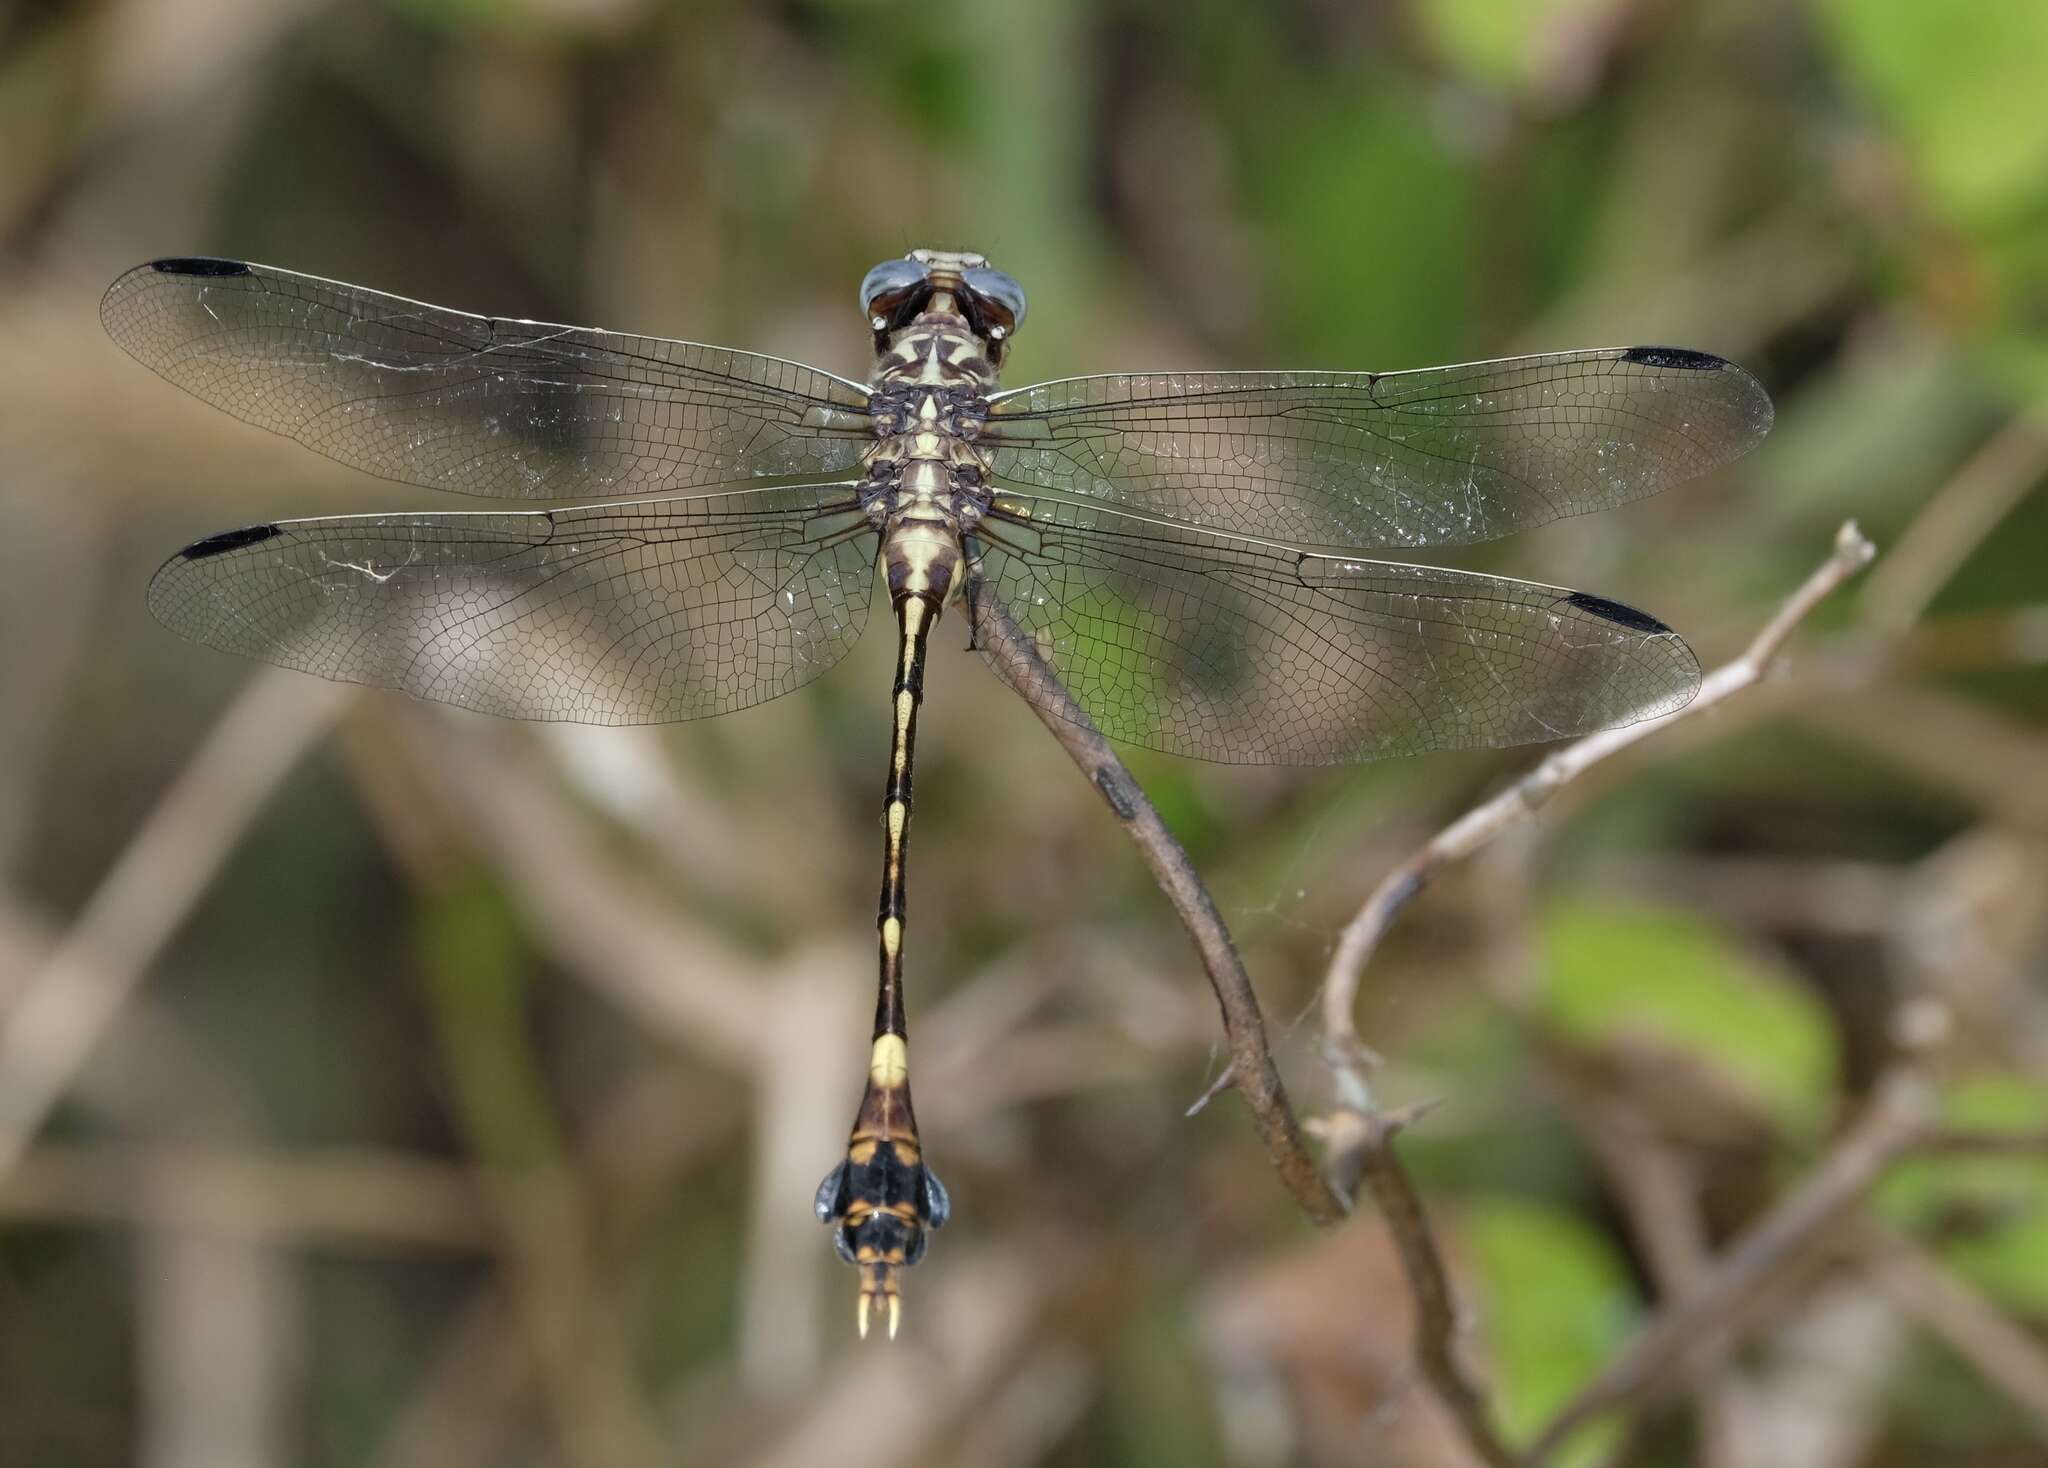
x,y
1196,643
633,613
1443,456
479,404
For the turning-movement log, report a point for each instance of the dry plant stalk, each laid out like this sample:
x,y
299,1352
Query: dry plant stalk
x,y
1358,1136
1346,1054
84,986
1890,1125
1251,1062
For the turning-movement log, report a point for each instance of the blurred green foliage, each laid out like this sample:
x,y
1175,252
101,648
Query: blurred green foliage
x,y
1959,85
1560,1304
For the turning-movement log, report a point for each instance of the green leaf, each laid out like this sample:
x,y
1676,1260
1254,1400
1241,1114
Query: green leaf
x,y
1556,1303
1960,85
1678,980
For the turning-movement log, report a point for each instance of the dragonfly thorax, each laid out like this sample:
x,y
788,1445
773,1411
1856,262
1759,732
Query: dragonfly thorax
x,y
937,349
924,478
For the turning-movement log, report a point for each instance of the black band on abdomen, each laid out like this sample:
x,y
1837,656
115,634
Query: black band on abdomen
x,y
915,616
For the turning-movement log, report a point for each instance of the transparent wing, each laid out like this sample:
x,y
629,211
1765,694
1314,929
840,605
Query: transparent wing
x,y
479,404
1443,456
1197,643
631,613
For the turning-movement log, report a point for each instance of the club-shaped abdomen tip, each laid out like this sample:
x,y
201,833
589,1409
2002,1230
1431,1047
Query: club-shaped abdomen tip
x,y
879,1243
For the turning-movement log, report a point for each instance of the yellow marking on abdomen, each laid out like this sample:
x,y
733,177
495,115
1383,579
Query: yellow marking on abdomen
x,y
892,936
889,1061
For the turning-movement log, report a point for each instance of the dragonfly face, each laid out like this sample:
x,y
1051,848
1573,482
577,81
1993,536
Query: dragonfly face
x,y
944,287
1188,552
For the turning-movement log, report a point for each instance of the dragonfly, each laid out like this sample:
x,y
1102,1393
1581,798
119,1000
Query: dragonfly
x,y
1185,553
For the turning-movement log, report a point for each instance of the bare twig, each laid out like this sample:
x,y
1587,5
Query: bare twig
x,y
604,918
1658,1192
2007,637
1251,1063
1344,1051
1889,1125
80,991
1358,1135
216,1318
2006,1354
357,1200
1953,524
1991,758
1361,1146
652,1132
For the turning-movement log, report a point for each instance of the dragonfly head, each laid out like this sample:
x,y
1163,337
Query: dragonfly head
x,y
944,286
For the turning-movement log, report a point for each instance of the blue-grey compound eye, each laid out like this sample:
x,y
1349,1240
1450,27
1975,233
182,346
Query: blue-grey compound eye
x,y
888,288
1000,298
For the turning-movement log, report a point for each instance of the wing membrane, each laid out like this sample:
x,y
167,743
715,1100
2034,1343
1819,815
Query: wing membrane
x,y
479,404
1443,456
639,612
1202,644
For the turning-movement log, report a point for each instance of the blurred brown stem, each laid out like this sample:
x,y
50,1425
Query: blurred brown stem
x,y
1655,1184
351,1200
2004,1352
1251,1063
1953,524
1890,1124
66,1009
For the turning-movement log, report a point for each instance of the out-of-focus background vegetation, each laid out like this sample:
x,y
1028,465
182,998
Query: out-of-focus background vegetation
x,y
386,1087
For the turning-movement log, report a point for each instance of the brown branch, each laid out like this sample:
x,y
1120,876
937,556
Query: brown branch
x,y
1889,1125
1657,1189
1360,1137
1361,1146
2006,1354
1953,523
1251,1063
2007,637
353,1199
600,915
83,988
1344,1051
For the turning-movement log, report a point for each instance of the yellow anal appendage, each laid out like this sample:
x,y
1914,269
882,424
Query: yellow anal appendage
x,y
895,1313
889,1061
